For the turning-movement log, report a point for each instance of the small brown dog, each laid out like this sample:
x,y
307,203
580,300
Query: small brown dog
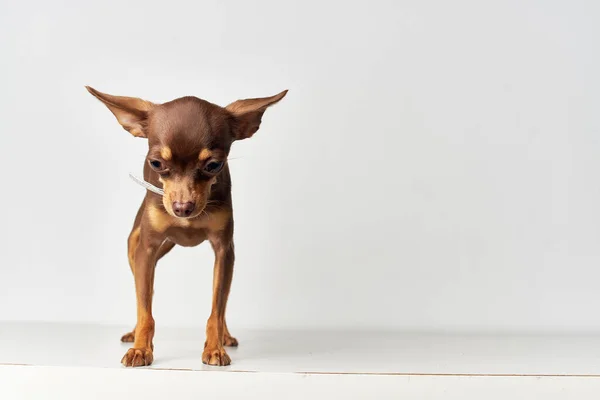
x,y
189,140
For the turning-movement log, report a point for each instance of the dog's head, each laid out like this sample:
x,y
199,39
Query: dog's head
x,y
188,141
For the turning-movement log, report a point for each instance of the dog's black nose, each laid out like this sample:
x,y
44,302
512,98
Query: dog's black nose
x,y
183,209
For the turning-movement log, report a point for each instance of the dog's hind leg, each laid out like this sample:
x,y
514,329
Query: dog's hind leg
x,y
228,340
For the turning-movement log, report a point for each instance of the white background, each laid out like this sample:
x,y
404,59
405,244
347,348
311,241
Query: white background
x,y
434,166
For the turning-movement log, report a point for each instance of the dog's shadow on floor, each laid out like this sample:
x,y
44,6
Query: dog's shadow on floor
x,y
258,347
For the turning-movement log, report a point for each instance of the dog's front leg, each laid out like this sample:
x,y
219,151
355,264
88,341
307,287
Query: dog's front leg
x,y
214,353
145,261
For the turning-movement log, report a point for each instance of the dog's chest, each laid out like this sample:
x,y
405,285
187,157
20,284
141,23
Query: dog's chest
x,y
187,237
186,232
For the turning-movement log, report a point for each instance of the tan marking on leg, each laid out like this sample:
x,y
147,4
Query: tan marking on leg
x,y
134,239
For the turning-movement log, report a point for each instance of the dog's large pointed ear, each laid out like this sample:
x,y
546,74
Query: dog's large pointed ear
x,y
248,114
131,112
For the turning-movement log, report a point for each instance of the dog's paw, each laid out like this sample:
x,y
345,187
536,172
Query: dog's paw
x,y
137,357
129,337
230,341
217,357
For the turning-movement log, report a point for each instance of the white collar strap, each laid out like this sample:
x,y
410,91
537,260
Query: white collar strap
x,y
147,185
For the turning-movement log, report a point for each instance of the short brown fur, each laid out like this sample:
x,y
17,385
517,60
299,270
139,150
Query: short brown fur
x,y
189,140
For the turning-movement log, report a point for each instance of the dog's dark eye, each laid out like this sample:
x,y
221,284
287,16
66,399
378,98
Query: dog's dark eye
x,y
157,165
213,167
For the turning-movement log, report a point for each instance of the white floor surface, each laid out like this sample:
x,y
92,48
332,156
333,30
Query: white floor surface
x,y
39,360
